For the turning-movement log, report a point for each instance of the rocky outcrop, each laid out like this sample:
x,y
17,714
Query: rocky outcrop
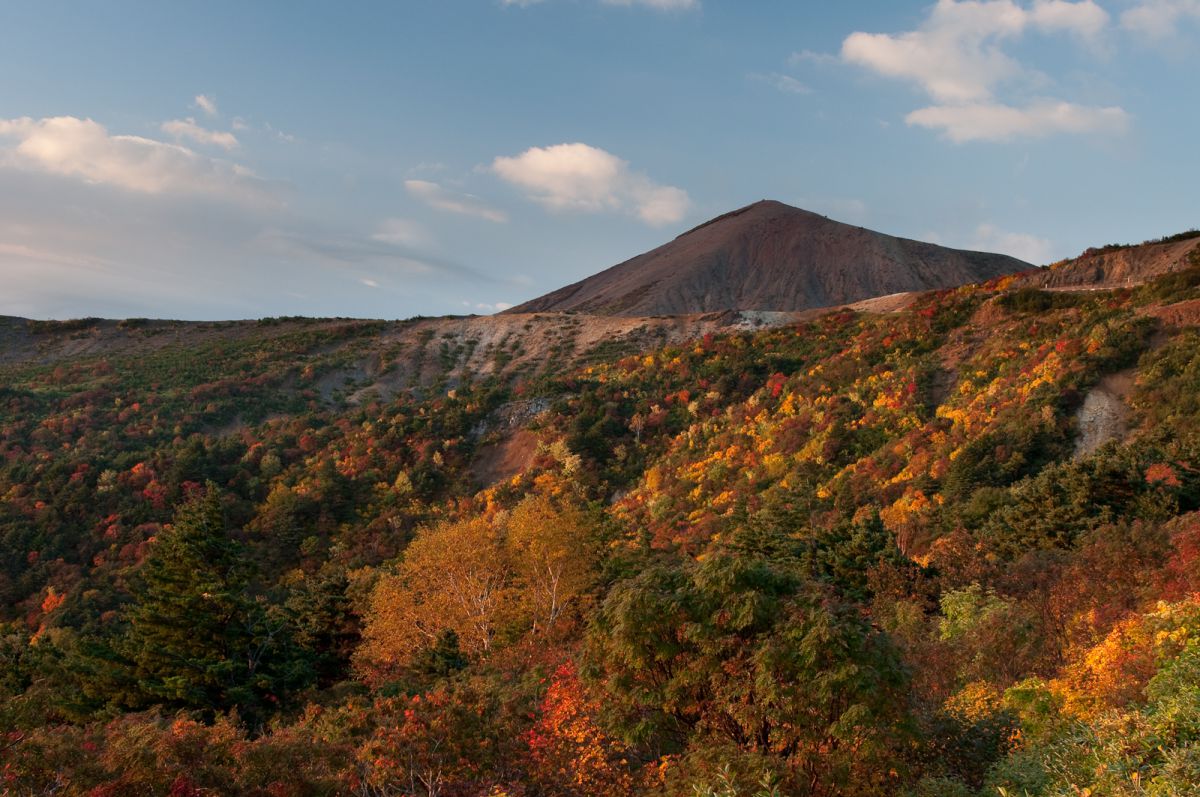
x,y
1120,268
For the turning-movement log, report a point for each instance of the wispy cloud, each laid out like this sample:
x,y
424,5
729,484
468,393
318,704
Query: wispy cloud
x,y
1022,246
402,232
206,104
1159,19
240,125
583,178
283,136
97,223
347,250
998,122
785,83
441,198
71,249
187,128
810,57
85,150
428,167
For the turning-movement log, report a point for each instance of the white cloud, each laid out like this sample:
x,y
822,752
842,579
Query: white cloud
x,y
784,83
811,57
103,234
956,54
1159,19
997,122
957,57
240,125
402,232
579,177
1022,246
441,198
287,138
84,149
1084,19
206,104
370,283
952,57
187,128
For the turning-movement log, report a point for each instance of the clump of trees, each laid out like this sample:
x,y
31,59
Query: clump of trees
x,y
482,580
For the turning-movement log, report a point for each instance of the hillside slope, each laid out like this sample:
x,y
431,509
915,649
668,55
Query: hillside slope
x,y
359,359
1119,267
771,256
467,546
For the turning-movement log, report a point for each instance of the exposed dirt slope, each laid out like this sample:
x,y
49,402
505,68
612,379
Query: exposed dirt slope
x,y
1122,268
363,358
770,256
1104,414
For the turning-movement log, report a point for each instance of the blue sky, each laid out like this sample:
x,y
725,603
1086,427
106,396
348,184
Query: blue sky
x,y
388,159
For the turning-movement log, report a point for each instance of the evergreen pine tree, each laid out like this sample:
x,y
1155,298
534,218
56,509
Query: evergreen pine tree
x,y
191,636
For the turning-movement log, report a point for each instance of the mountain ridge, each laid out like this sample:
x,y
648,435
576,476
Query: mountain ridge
x,y
774,257
1120,266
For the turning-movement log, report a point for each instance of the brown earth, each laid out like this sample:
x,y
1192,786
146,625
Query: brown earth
x,y
770,256
1123,268
893,303
1179,314
500,461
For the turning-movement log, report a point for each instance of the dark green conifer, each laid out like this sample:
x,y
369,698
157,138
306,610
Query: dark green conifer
x,y
196,639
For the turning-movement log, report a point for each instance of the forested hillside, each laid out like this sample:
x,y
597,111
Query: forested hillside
x,y
860,554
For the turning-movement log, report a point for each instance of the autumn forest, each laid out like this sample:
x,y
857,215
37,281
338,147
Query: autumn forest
x,y
895,552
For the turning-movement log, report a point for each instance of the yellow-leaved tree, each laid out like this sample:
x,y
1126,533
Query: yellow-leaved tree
x,y
455,576
554,556
475,577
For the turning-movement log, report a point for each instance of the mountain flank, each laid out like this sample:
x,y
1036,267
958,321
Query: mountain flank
x,y
1122,266
357,360
771,256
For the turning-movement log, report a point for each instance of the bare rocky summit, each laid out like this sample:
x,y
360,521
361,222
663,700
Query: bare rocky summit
x,y
771,256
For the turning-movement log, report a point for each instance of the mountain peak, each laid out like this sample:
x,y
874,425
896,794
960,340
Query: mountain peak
x,y
762,207
771,256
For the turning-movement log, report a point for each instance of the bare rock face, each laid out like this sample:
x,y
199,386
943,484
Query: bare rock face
x,y
771,256
1123,267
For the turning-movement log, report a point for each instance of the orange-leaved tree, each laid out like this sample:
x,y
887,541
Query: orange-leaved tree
x,y
515,573
456,576
554,552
